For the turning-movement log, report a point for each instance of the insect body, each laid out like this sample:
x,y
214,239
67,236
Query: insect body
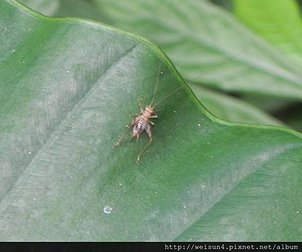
x,y
143,123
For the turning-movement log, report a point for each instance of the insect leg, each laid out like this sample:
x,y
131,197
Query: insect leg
x,y
149,133
122,137
154,116
136,136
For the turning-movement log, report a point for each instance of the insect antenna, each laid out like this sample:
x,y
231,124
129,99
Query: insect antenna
x,y
156,85
204,73
166,96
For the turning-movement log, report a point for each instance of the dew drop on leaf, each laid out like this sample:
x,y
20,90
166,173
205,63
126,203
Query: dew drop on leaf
x,y
107,210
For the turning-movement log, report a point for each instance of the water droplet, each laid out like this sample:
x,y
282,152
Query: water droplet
x,y
199,124
67,71
29,153
297,212
107,210
174,111
161,72
275,222
120,184
13,50
185,207
203,186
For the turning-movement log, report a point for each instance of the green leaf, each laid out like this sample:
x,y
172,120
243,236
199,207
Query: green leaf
x,y
232,109
278,21
67,87
199,37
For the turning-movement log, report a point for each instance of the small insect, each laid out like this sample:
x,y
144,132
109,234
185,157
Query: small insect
x,y
142,123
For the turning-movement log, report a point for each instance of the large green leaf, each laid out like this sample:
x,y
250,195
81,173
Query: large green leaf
x,y
67,89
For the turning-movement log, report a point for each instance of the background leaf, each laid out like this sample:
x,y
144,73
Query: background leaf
x,y
232,109
277,21
67,87
198,37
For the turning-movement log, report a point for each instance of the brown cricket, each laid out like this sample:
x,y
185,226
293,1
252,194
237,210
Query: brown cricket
x,y
142,122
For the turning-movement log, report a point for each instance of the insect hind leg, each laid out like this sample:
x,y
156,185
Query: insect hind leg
x,y
122,137
149,133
